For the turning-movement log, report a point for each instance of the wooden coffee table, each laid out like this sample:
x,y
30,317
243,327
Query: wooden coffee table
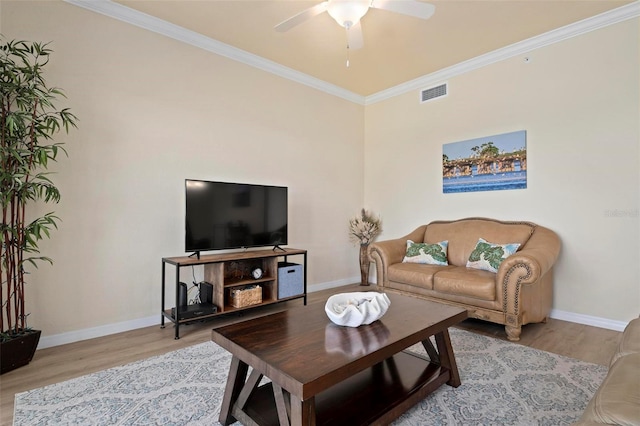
x,y
322,374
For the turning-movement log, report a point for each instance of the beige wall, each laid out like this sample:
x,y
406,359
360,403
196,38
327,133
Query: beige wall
x,y
152,112
578,102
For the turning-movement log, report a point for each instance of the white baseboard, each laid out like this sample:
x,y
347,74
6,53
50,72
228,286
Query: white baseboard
x,y
333,284
105,330
101,331
588,320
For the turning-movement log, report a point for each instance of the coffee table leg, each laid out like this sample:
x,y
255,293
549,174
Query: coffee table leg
x,y
447,359
303,413
431,351
281,405
235,382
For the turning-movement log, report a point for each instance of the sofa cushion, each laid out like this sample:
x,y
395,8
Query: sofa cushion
x,y
617,400
463,281
430,254
630,341
488,256
417,274
463,235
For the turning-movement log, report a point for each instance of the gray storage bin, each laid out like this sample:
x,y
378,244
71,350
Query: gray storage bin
x,y
290,280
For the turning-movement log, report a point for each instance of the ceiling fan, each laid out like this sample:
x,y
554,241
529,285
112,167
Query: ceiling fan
x,y
347,13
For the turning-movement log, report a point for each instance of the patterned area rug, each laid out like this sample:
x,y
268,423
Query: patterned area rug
x,y
502,384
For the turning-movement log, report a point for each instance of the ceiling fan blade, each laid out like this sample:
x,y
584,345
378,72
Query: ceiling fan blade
x,y
354,37
287,24
406,7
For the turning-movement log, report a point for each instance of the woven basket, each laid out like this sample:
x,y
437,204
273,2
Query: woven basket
x,y
246,296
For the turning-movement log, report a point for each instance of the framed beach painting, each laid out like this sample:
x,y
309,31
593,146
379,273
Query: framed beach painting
x,y
490,163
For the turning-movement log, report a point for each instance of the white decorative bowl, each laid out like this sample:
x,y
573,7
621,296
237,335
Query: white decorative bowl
x,y
354,309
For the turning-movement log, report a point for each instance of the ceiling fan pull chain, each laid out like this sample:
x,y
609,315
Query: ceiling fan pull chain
x,y
347,55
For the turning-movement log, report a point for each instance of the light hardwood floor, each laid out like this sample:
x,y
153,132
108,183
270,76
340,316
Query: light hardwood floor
x,y
56,364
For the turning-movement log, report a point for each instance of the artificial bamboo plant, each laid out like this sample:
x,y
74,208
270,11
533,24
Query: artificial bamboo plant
x,y
28,124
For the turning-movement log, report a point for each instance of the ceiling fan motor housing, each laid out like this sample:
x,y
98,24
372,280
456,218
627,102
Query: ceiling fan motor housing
x,y
347,12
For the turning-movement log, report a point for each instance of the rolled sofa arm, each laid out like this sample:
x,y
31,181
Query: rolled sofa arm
x,y
530,266
388,252
536,258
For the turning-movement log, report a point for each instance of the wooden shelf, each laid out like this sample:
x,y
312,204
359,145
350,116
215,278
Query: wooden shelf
x,y
248,282
362,399
227,271
227,257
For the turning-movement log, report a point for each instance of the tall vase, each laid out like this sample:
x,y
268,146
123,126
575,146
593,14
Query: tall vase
x,y
364,264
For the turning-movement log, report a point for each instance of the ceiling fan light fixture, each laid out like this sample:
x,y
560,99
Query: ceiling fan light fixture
x,y
347,12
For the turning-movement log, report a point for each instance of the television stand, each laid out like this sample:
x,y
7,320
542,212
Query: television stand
x,y
230,276
196,254
277,247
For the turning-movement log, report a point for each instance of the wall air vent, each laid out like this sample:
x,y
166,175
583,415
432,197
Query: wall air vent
x,y
433,93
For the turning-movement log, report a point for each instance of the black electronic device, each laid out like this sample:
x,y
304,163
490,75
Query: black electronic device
x,y
206,292
195,310
224,215
182,294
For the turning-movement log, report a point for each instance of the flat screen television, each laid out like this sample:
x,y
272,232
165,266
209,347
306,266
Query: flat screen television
x,y
224,215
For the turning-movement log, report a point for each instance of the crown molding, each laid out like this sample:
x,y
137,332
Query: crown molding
x,y
623,13
151,23
176,32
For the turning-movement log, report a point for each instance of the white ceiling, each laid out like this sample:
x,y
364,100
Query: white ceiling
x,y
397,48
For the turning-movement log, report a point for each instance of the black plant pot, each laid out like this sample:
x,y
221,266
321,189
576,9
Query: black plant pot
x,y
18,351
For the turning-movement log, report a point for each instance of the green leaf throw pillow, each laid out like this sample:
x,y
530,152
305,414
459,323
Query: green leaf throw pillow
x,y
430,254
488,256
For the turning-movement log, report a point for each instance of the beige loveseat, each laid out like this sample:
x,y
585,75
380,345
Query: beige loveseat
x,y
519,293
617,400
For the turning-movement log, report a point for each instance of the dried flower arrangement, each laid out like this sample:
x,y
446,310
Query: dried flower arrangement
x,y
364,228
